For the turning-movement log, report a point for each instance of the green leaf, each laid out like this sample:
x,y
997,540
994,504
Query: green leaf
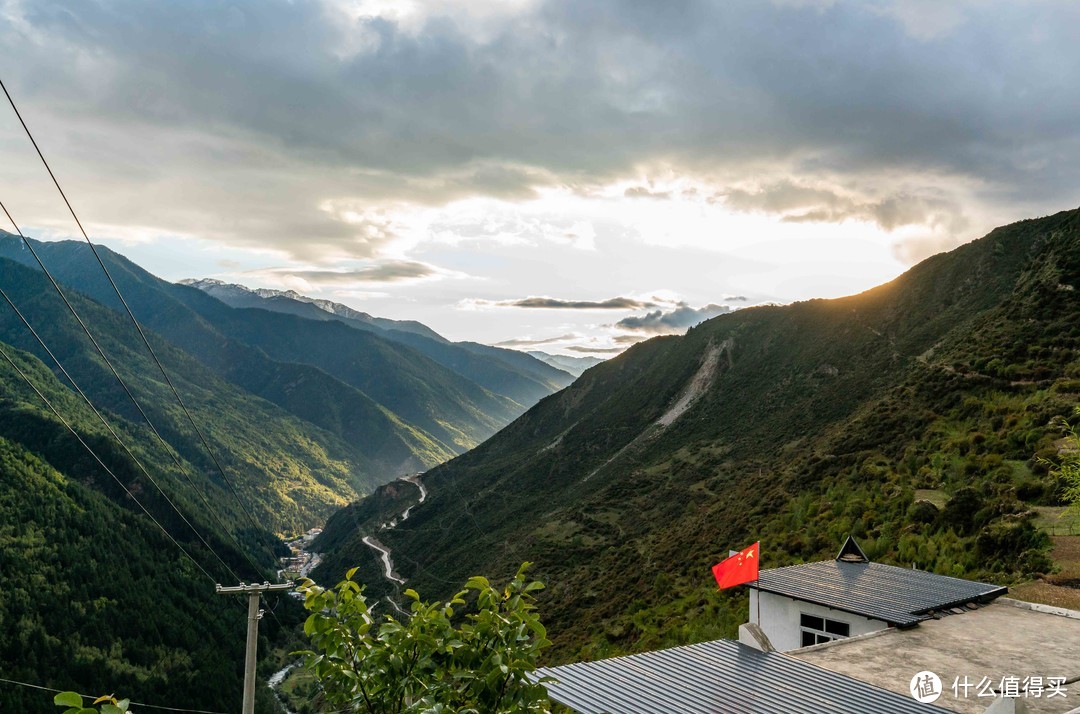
x,y
68,699
351,572
111,709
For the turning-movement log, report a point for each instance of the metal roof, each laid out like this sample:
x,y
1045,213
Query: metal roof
x,y
898,596
719,676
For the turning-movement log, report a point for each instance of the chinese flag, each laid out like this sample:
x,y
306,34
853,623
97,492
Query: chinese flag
x,y
739,568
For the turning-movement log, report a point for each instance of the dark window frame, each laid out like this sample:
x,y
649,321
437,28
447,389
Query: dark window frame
x,y
816,630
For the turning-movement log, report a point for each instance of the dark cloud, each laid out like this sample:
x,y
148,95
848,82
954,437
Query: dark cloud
x,y
616,303
800,203
596,350
677,320
386,271
257,112
521,342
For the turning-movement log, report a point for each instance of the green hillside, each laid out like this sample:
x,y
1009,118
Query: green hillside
x,y
303,415
290,473
794,425
404,410
95,594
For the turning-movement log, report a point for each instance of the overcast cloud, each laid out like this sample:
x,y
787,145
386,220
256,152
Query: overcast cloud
x,y
317,132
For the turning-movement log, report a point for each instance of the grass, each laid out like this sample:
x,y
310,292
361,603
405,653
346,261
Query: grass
x,y
1061,589
934,495
1056,521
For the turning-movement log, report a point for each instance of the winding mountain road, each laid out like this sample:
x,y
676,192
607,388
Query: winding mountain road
x,y
382,550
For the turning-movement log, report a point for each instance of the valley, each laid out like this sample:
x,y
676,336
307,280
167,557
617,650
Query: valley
x,y
277,421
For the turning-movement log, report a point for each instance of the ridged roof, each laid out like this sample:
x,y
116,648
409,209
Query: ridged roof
x,y
898,596
719,676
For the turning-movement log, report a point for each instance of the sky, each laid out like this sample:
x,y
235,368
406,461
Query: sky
x,y
554,174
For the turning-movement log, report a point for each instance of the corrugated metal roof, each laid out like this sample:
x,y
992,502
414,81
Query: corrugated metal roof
x,y
883,592
713,677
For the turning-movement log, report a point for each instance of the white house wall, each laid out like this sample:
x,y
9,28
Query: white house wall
x,y
780,619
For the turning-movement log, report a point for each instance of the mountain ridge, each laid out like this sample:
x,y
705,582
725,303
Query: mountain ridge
x,y
504,372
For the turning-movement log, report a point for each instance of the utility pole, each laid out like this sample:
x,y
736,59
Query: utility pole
x,y
253,591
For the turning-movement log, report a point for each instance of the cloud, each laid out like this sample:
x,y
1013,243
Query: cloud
x,y
616,303
643,192
801,203
217,132
913,249
597,350
383,271
677,320
526,342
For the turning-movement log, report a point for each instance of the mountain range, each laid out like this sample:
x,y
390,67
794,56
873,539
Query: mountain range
x,y
919,416
300,414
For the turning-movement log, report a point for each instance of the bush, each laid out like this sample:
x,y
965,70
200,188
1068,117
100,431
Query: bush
x,y
426,663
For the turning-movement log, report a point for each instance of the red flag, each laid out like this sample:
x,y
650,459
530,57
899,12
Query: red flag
x,y
739,568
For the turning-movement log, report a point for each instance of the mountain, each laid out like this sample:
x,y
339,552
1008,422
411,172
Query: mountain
x,y
401,408
290,473
505,372
294,303
916,416
302,414
573,365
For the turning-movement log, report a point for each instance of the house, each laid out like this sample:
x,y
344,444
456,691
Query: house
x,y
872,634
802,605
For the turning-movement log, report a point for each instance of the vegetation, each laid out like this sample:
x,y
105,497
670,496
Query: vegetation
x,y
1068,469
106,704
822,418
470,654
95,595
392,402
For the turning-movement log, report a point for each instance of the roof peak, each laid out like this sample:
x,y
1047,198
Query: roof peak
x,y
850,552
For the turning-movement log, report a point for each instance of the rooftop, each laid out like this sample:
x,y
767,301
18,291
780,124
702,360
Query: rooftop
x,y
718,676
1004,639
898,596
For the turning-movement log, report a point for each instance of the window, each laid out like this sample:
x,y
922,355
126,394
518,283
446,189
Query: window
x,y
816,630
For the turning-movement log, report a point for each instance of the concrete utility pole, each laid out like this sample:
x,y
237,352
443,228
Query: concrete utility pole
x,y
253,592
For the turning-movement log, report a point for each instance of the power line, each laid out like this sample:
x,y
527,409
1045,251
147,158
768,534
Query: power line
x,y
56,412
134,321
100,462
101,353
87,696
116,436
